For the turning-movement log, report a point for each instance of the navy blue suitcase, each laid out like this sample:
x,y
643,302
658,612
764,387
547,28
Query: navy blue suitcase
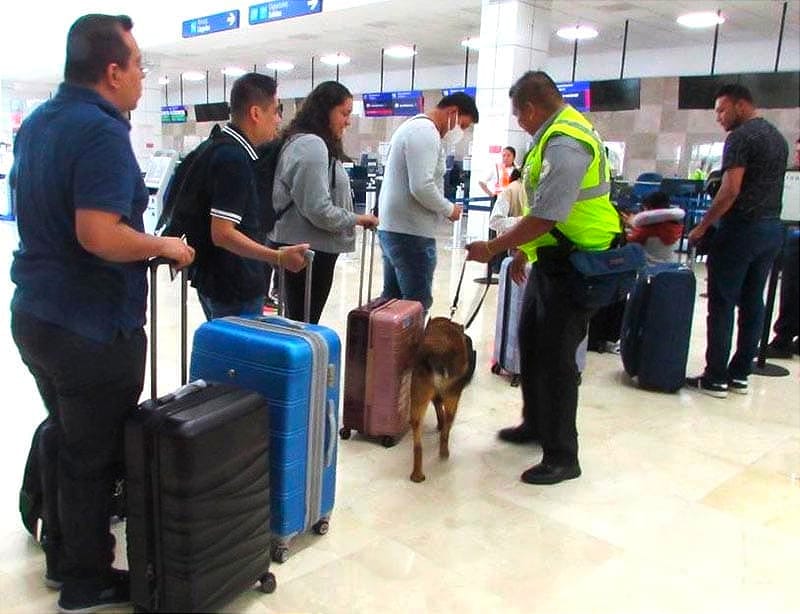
x,y
657,326
296,367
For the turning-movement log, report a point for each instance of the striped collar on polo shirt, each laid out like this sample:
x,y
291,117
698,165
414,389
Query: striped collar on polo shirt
x,y
239,138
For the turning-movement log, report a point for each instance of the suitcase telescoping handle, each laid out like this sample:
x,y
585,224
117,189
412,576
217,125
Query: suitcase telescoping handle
x,y
307,297
154,264
363,265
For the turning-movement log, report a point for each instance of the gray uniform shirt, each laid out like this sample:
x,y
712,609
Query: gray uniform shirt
x,y
319,215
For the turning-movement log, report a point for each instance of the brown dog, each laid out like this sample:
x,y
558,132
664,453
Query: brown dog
x,y
443,366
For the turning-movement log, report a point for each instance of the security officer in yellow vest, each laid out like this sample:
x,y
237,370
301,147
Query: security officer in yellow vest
x,y
567,181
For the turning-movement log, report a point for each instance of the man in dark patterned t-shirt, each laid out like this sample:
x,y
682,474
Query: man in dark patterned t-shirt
x,y
748,237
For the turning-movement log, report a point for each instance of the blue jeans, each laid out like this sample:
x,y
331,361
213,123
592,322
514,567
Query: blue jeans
x,y
408,265
739,261
217,309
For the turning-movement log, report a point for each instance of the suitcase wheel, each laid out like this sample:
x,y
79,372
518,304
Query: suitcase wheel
x,y
280,554
344,433
268,583
321,527
496,368
387,441
515,380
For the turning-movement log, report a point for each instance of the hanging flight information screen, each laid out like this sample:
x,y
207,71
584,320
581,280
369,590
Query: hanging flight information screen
x,y
577,94
388,104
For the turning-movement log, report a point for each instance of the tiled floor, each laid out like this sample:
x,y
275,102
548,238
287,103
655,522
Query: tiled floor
x,y
687,504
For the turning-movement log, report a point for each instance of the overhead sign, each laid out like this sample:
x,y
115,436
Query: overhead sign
x,y
469,91
275,10
229,20
577,94
387,104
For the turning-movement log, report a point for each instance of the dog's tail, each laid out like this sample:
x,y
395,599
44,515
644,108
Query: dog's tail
x,y
430,359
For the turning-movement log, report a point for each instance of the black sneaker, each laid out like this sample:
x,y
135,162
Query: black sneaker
x,y
739,386
77,598
712,389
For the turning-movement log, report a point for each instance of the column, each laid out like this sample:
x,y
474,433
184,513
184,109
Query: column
x,y
515,36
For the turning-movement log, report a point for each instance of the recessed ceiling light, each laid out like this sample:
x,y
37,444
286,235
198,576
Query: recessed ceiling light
x,y
335,59
233,71
163,80
400,52
572,33
280,66
193,75
704,19
473,42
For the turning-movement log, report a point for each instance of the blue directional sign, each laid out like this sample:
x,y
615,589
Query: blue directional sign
x,y
469,91
275,10
229,20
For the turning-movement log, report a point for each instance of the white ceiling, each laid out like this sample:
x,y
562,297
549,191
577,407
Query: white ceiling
x,y
31,44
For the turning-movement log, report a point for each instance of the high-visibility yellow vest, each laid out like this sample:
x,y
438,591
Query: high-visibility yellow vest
x,y
593,222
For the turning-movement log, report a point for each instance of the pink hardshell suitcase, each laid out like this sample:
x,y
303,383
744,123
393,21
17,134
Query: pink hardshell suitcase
x,y
382,337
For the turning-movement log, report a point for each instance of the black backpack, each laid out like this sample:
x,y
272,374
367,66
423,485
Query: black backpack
x,y
186,206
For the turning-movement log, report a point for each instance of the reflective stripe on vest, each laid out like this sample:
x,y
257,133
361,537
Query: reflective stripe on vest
x,y
593,222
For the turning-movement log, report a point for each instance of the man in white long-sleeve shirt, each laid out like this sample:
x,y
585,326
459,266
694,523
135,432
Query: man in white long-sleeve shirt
x,y
412,196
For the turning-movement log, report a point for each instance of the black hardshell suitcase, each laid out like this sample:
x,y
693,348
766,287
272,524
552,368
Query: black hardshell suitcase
x,y
197,468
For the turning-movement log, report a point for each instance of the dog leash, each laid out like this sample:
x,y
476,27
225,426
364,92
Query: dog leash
x,y
454,306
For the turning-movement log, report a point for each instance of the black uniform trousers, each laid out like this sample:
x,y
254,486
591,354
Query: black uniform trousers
x,y
551,328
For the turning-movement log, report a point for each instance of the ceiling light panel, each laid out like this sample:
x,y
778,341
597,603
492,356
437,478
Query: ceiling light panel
x,y
706,19
572,33
193,75
399,51
280,66
335,59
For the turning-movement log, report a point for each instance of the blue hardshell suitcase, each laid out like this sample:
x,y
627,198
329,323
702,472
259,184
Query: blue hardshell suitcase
x,y
296,367
657,326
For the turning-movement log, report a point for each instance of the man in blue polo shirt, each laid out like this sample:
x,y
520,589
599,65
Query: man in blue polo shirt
x,y
229,272
79,307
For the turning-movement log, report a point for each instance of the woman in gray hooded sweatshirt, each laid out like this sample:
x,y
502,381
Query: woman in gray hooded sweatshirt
x,y
313,188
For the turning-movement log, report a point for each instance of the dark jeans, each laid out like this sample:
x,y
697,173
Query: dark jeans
x,y
88,388
739,261
550,329
408,265
787,326
321,281
217,309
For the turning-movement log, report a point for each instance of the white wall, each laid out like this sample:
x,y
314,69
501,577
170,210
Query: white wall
x,y
678,61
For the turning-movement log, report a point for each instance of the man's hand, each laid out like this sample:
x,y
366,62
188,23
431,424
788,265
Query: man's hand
x,y
696,234
367,220
293,257
177,252
517,269
479,251
456,214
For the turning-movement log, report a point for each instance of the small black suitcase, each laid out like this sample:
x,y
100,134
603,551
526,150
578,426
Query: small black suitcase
x,y
197,468
198,499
